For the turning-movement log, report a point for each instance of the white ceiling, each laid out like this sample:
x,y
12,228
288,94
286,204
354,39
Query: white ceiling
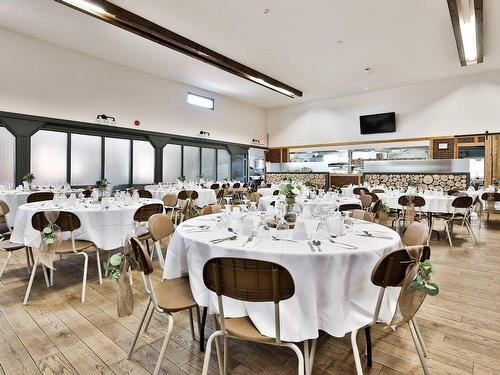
x,y
403,41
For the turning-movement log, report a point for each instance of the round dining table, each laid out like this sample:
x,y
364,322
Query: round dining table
x,y
205,196
16,198
333,291
327,201
106,225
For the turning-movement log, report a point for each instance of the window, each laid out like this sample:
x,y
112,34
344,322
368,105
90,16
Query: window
x,y
49,157
7,155
143,163
200,101
223,165
208,166
117,161
85,159
172,162
191,163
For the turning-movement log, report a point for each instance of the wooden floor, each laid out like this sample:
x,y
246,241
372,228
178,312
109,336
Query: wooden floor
x,y
56,334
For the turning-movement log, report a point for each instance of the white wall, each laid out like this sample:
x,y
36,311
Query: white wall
x,y
40,78
448,107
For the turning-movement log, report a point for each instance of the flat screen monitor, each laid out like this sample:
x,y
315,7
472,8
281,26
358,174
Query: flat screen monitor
x,y
379,123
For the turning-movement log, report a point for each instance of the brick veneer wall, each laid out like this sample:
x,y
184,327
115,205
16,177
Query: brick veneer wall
x,y
443,154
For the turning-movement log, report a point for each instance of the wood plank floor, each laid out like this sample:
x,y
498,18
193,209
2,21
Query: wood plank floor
x,y
56,334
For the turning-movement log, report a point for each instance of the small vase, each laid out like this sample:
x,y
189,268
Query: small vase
x,y
290,200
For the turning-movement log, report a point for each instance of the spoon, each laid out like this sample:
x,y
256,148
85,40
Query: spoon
x,y
317,243
311,246
232,238
232,231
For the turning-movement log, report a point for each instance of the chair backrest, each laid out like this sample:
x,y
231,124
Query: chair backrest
x,y
245,185
144,193
390,270
452,191
495,196
215,186
462,202
40,196
376,206
349,207
254,197
87,193
269,185
142,214
169,200
211,209
366,200
220,194
160,226
66,221
248,280
416,234
360,190
374,196
236,185
378,191
417,201
186,194
4,208
141,256
276,192
459,194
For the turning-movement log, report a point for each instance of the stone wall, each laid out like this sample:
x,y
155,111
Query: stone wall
x,y
319,179
457,181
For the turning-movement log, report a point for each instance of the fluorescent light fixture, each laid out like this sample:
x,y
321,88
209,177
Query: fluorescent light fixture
x,y
200,101
260,81
467,18
89,7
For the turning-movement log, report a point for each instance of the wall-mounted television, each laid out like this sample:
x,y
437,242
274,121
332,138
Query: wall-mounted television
x,y
378,123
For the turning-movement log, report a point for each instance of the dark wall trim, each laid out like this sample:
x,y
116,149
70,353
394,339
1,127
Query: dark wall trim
x,y
24,126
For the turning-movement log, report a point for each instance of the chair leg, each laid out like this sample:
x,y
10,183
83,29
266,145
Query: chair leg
x,y
30,283
45,272
98,258
170,324
420,353
313,352
447,227
106,269
226,352
368,337
420,339
198,320
307,357
208,349
28,261
355,352
191,323
51,277
300,357
84,281
148,320
471,233
137,333
9,255
217,347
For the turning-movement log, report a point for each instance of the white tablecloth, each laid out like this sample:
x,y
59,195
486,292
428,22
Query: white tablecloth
x,y
14,199
205,196
265,192
333,291
107,228
333,203
433,203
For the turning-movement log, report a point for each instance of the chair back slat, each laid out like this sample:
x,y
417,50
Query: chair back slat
x,y
495,196
417,201
366,200
160,226
144,193
390,270
236,185
248,280
66,221
4,207
187,194
360,190
40,196
416,234
142,214
215,186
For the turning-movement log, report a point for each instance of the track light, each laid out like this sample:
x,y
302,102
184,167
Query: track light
x,y
88,6
204,134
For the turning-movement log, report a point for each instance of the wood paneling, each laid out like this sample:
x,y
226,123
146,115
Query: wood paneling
x,y
492,159
341,179
273,156
448,153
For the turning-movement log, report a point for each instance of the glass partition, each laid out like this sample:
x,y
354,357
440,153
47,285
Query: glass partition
x,y
143,164
223,165
172,162
85,159
208,163
7,156
117,161
49,157
191,163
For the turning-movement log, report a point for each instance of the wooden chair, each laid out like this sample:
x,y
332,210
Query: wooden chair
x,y
366,201
10,248
363,215
254,197
269,185
220,197
416,234
360,190
390,271
161,228
349,207
376,206
462,207
251,281
144,194
496,198
167,297
5,231
142,215
375,191
404,201
215,186
211,209
276,192
40,196
67,222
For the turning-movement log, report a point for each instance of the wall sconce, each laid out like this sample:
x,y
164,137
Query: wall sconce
x,y
204,134
105,120
256,141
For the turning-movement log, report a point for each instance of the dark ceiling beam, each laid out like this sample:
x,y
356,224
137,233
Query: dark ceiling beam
x,y
131,22
455,21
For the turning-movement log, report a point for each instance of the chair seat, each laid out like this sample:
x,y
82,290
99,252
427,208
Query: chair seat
x,y
174,295
10,246
243,328
65,247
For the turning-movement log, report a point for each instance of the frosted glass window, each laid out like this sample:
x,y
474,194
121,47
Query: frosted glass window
x,y
223,165
172,162
49,157
7,153
117,160
85,159
208,166
191,163
144,162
